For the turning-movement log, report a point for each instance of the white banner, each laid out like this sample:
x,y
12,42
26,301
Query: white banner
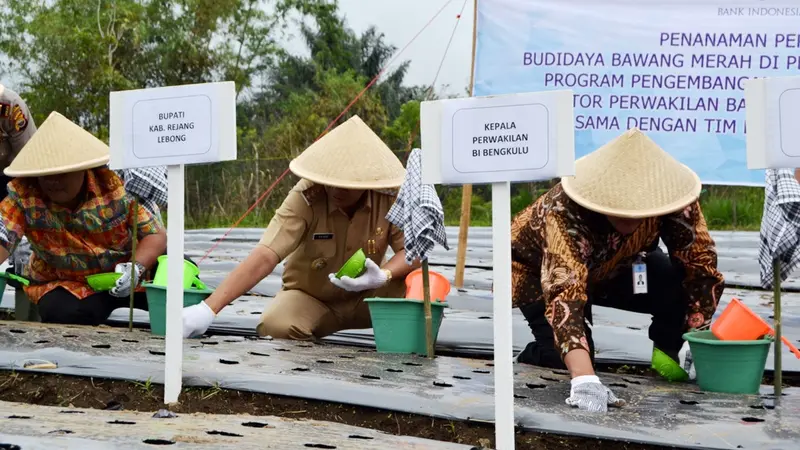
x,y
675,69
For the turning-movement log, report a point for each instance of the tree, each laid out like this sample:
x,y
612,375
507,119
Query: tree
x,y
68,55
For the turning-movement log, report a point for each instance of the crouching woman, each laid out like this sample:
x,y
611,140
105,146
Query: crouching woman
x,y
79,221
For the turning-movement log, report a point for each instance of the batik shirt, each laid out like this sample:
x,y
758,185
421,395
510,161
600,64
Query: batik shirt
x,y
70,245
562,251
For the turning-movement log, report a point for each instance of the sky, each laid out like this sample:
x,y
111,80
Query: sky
x,y
400,20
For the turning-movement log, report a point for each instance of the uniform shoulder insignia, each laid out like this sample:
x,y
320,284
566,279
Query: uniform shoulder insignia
x,y
314,193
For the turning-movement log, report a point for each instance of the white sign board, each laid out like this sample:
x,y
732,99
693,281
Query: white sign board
x,y
518,137
773,123
192,124
173,126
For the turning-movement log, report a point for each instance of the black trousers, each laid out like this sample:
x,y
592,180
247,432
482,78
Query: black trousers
x,y
60,306
665,300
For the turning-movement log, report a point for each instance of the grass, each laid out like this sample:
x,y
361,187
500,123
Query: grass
x,y
725,208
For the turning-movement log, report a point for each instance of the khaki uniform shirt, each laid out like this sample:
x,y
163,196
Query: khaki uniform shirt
x,y
16,126
316,238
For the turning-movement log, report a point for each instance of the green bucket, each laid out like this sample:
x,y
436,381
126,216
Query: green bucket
x,y
190,273
157,305
733,367
399,324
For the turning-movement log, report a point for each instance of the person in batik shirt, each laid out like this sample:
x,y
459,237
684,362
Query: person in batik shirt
x,y
79,220
593,239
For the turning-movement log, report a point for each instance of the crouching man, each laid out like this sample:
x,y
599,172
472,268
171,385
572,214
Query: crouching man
x,y
79,220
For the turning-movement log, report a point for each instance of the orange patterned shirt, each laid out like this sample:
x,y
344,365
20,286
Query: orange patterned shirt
x,y
67,245
560,251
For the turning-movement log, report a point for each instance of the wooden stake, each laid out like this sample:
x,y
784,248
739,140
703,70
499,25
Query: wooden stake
x,y
466,193
135,222
778,346
426,289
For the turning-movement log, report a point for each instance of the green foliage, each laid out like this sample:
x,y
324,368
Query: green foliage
x,y
69,55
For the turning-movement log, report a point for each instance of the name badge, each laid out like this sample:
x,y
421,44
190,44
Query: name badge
x,y
639,278
322,236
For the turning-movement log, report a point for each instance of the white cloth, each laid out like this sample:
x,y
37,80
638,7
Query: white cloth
x,y
780,225
418,211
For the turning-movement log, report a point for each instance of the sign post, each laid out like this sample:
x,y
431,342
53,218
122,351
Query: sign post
x,y
499,140
773,112
173,127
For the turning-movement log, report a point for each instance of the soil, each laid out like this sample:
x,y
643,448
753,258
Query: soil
x,y
63,391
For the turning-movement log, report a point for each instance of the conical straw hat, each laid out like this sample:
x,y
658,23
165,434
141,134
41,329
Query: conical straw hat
x,y
632,177
351,156
58,146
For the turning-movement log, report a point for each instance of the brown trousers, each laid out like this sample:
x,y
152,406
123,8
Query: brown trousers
x,y
293,314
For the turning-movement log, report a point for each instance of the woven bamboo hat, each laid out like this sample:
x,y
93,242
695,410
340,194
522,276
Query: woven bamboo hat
x,y
351,156
632,177
58,146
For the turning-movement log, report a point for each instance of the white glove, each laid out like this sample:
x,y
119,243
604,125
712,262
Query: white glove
x,y
124,283
196,319
589,394
373,278
687,361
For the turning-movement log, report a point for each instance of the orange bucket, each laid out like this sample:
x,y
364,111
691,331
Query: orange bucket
x,y
439,286
739,323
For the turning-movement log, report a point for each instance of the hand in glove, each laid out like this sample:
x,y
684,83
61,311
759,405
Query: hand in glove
x,y
589,394
196,319
125,283
373,278
687,361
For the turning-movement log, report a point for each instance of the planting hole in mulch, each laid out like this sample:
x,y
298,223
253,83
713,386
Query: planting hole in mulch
x,y
770,407
258,354
121,422
689,402
355,436
390,370
9,447
255,425
320,446
158,442
51,390
222,433
752,420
